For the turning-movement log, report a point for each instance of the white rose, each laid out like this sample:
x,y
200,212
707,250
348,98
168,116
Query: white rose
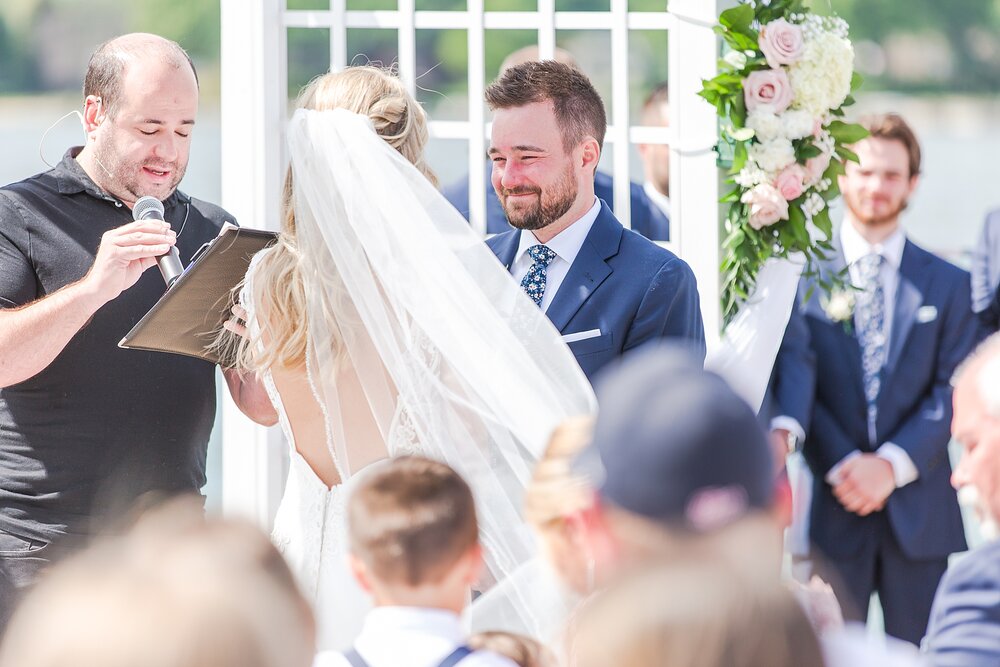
x,y
766,125
774,155
737,59
839,306
797,124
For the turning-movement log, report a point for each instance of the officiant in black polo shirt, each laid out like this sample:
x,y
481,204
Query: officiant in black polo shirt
x,y
89,431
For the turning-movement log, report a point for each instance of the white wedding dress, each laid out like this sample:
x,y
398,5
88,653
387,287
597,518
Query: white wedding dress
x,y
419,341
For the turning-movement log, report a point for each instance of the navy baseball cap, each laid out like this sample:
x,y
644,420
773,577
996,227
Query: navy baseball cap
x,y
673,443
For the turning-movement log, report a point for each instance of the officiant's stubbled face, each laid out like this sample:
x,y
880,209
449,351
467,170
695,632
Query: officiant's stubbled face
x,y
143,146
533,175
877,189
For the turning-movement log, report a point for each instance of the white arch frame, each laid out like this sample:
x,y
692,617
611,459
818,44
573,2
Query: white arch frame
x,y
254,84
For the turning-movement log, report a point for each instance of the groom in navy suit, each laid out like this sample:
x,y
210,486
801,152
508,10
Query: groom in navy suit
x,y
607,289
884,516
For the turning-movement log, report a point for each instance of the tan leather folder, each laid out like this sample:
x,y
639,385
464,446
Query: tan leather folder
x,y
186,317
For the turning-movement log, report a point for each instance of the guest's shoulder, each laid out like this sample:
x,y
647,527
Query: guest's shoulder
x,y
500,239
979,570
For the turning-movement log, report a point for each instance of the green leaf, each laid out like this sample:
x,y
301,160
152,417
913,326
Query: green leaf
x,y
848,101
823,222
847,133
739,158
806,150
847,154
738,19
856,81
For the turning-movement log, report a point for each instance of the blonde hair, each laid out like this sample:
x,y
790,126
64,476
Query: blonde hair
x,y
555,491
522,650
694,614
178,591
278,289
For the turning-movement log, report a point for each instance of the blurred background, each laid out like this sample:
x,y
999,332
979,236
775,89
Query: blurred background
x,y
937,63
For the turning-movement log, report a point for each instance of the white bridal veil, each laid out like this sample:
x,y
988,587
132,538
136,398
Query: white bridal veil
x,y
439,344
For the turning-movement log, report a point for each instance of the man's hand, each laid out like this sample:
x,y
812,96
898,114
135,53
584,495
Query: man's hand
x,y
126,252
779,448
866,481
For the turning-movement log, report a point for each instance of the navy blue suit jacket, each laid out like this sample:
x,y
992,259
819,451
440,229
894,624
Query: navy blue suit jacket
x,y
792,385
964,628
933,330
629,288
647,218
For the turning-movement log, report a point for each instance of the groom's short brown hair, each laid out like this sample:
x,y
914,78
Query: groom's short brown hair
x,y
410,519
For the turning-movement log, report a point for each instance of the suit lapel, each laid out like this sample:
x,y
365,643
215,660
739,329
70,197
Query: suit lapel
x,y
504,246
909,297
588,270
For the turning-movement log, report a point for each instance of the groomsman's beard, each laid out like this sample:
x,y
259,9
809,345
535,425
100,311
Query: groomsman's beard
x,y
548,206
875,220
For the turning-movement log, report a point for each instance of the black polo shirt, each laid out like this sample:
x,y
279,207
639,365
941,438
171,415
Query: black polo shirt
x,y
100,427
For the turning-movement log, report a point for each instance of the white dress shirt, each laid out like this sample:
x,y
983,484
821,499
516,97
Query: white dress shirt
x,y
566,245
661,200
855,247
410,637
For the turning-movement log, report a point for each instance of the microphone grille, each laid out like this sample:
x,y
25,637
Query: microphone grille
x,y
145,206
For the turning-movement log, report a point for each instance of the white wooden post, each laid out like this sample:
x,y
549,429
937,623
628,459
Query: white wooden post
x,y
253,119
694,177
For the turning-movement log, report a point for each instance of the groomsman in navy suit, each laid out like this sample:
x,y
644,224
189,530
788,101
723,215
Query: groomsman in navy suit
x,y
607,289
964,629
884,516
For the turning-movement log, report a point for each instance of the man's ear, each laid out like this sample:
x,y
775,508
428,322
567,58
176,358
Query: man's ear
x,y
94,113
360,572
591,153
472,562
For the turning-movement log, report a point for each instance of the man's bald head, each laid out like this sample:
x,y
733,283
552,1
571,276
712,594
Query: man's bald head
x,y
109,63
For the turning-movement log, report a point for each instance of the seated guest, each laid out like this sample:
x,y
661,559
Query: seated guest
x,y
682,469
414,547
694,614
964,626
178,591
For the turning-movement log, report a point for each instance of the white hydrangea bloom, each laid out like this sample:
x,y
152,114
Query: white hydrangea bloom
x,y
825,142
813,204
774,155
821,80
751,175
766,125
796,124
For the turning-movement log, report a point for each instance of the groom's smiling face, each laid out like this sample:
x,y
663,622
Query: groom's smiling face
x,y
533,174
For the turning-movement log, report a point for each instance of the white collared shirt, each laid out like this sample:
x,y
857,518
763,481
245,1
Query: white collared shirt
x,y
410,637
566,245
661,200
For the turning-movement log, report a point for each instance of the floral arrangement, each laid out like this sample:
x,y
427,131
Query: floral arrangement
x,y
783,83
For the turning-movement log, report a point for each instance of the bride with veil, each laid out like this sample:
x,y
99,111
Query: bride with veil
x,y
382,325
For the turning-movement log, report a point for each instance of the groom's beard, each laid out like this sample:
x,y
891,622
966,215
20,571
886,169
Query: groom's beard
x,y
545,207
969,496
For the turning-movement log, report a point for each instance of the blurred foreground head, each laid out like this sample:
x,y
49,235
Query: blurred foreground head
x,y
680,467
178,591
694,614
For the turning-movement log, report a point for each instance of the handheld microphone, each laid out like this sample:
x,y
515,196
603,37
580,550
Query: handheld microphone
x,y
151,208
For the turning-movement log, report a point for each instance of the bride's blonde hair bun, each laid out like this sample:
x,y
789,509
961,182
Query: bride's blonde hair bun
x,y
378,93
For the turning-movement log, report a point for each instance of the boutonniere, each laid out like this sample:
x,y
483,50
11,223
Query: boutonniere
x,y
839,306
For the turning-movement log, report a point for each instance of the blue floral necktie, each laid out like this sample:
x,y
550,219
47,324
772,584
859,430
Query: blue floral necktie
x,y
533,282
869,316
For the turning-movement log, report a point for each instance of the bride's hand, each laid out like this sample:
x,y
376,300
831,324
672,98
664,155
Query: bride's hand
x,y
237,324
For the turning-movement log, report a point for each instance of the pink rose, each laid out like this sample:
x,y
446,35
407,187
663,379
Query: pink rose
x,y
767,206
816,167
767,88
791,181
781,43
